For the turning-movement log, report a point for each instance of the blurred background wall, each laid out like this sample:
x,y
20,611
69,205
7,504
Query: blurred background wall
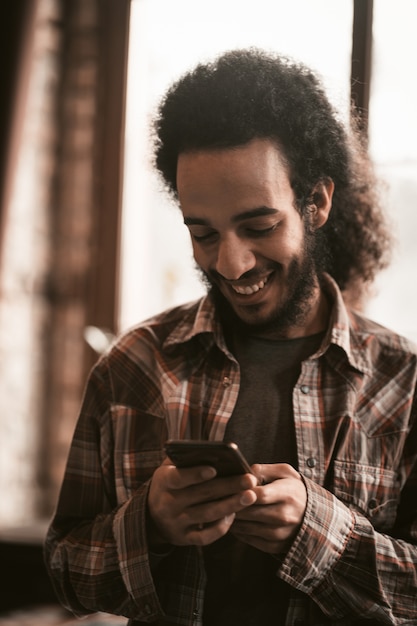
x,y
61,153
59,229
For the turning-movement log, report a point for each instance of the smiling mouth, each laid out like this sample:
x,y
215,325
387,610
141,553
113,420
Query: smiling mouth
x,y
248,290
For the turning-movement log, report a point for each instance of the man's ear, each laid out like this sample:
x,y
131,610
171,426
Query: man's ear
x,y
321,202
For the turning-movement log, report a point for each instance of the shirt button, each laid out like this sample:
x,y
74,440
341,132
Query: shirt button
x,y
372,504
226,381
195,614
311,462
305,388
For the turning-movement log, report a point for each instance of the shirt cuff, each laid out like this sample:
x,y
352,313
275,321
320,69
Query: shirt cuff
x,y
321,540
129,529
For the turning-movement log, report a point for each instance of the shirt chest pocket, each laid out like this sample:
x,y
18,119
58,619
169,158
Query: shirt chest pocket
x,y
373,491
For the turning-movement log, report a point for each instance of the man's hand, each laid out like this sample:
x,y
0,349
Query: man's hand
x,y
272,523
193,507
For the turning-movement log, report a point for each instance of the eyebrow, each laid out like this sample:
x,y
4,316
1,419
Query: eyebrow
x,y
240,217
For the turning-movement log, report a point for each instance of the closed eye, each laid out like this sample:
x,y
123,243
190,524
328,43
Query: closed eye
x,y
203,236
261,232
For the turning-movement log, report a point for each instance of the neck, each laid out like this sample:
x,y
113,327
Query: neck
x,y
316,320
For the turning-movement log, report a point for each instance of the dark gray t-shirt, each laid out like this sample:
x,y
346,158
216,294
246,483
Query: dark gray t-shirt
x,y
243,589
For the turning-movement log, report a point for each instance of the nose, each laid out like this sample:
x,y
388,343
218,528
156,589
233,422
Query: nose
x,y
234,258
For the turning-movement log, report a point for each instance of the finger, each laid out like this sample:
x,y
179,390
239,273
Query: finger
x,y
275,514
223,488
181,478
275,493
211,512
268,472
265,515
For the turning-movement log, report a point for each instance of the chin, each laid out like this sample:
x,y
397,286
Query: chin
x,y
255,317
255,321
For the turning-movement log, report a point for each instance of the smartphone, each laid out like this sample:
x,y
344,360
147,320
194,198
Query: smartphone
x,y
226,458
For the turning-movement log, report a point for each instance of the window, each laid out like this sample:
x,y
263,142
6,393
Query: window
x,y
393,145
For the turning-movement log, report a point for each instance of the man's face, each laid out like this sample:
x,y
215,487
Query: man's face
x,y
248,238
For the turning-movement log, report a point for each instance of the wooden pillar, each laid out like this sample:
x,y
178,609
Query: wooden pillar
x,y
361,68
87,212
17,28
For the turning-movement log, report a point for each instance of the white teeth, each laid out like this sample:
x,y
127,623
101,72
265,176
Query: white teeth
x,y
250,289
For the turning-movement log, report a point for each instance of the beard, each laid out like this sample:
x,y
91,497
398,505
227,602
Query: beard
x,y
301,283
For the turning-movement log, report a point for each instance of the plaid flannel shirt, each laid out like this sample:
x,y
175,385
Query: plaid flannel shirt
x,y
354,559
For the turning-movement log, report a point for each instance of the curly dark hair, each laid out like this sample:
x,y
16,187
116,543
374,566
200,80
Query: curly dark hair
x,y
248,94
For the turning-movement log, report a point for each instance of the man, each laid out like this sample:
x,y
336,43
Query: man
x,y
286,228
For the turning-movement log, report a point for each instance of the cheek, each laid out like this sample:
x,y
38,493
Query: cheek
x,y
283,249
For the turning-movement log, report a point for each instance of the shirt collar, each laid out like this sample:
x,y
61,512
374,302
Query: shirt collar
x,y
342,332
199,319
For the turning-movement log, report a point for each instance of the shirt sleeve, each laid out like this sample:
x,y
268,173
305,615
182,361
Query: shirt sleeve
x,y
96,549
349,569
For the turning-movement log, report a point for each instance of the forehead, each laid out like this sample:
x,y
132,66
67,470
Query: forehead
x,y
250,174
